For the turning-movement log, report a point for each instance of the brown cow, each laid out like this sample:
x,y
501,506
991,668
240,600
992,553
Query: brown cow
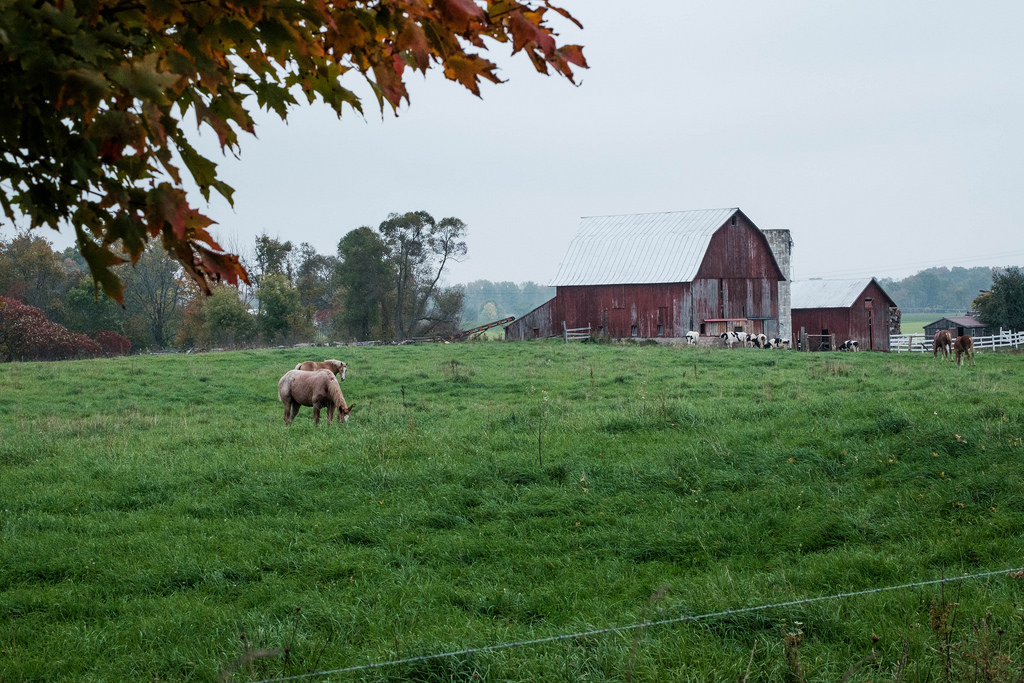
x,y
964,346
943,341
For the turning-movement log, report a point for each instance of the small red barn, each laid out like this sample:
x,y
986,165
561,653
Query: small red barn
x,y
660,275
826,313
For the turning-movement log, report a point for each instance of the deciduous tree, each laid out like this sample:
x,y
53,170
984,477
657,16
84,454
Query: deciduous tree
x,y
154,294
95,92
420,248
1003,305
33,273
315,278
281,318
221,319
366,279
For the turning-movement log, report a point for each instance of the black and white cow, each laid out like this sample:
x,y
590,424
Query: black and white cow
x,y
850,345
777,343
691,337
760,340
731,338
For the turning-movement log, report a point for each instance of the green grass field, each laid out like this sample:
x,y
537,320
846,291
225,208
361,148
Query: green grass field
x,y
158,521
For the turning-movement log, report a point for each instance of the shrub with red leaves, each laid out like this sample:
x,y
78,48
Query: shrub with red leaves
x,y
113,344
26,334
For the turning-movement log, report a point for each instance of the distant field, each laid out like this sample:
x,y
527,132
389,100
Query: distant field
x,y
913,323
159,522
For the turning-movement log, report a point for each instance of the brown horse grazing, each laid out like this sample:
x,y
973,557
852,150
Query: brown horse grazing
x,y
317,389
964,346
943,342
335,366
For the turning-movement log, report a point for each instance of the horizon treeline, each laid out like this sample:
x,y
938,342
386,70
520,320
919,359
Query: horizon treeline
x,y
940,289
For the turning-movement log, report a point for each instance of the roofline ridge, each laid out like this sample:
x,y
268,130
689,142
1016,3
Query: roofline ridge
x,y
659,213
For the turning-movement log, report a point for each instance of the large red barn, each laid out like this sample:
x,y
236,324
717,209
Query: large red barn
x,y
659,275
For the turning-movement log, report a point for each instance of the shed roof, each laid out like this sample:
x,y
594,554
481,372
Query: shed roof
x,y
827,293
643,248
961,321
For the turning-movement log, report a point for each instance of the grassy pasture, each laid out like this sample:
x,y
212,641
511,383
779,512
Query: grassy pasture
x,y
159,522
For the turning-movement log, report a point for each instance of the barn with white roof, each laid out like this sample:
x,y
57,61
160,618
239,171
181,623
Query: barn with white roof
x,y
827,313
660,275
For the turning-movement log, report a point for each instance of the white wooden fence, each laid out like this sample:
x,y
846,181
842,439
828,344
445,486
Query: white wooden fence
x,y
923,343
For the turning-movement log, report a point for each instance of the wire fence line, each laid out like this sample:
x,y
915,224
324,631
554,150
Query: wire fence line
x,y
1014,573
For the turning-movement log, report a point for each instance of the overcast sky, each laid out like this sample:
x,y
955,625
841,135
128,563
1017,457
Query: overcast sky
x,y
886,136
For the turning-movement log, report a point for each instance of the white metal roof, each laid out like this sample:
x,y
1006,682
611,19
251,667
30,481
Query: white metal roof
x,y
643,248
827,293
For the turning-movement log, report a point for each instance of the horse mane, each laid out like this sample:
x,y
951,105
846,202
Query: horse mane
x,y
334,389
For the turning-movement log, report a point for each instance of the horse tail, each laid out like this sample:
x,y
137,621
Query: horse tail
x,y
284,386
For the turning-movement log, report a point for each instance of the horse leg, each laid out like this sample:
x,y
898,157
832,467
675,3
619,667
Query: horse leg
x,y
290,411
316,412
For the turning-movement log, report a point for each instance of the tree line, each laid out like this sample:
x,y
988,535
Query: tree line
x,y
994,295
939,290
384,283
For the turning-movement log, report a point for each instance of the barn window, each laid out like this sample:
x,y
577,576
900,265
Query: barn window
x,y
633,331
661,330
733,221
536,333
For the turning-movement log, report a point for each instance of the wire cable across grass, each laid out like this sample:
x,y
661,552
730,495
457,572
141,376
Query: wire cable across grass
x,y
1014,573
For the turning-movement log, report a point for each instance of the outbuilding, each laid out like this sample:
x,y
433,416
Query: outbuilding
x,y
959,326
827,313
660,275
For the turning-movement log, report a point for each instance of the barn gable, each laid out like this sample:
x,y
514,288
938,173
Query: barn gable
x,y
660,275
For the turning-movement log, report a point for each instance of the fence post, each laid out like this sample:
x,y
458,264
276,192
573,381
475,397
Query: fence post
x,y
565,333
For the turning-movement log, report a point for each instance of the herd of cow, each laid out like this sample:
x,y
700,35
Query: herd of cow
x,y
962,346
757,341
